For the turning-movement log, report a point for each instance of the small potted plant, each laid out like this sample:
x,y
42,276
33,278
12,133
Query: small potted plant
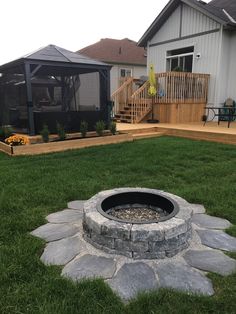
x,y
83,128
99,127
45,133
112,127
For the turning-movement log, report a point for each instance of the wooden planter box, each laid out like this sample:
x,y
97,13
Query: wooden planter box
x,y
51,147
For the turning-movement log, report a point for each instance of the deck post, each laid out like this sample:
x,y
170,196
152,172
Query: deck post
x,y
27,74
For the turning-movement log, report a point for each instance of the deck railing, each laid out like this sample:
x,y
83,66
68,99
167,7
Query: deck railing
x,y
182,87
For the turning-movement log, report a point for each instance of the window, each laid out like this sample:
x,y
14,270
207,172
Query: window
x,y
125,72
180,59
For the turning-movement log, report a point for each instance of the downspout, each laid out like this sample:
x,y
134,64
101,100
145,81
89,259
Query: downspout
x,y
217,92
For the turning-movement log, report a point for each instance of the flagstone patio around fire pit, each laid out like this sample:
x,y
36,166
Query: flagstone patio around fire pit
x,y
186,271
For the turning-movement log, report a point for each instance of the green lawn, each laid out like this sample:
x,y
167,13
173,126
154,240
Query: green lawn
x,y
32,187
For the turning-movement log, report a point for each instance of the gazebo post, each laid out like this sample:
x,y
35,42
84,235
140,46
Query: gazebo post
x,y
105,92
29,98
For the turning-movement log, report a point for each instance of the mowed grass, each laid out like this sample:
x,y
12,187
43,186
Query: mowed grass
x,y
33,187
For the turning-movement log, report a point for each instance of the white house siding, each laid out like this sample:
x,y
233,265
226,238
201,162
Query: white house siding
x,y
223,74
88,95
194,22
207,45
137,71
114,74
231,73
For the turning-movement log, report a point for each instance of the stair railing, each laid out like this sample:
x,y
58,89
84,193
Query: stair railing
x,y
141,103
121,97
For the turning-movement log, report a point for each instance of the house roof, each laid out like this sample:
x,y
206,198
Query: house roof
x,y
228,5
220,10
124,51
52,55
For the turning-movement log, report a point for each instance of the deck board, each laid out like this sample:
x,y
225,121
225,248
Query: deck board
x,y
210,132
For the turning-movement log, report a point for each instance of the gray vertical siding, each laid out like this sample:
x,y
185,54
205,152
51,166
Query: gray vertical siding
x,y
208,44
231,73
194,22
170,29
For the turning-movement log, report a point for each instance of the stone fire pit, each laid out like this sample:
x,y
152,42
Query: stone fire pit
x,y
162,234
175,247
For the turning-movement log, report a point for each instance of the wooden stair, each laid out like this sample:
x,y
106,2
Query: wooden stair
x,y
131,101
124,115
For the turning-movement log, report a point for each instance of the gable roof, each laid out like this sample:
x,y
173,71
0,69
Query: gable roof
x,y
124,51
213,9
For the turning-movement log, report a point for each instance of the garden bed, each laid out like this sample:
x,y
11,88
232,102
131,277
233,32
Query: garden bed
x,y
72,142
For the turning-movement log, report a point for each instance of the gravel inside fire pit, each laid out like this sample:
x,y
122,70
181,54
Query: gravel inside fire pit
x,y
137,213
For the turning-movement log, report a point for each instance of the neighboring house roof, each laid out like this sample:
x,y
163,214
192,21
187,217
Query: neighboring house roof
x,y
223,11
52,53
124,51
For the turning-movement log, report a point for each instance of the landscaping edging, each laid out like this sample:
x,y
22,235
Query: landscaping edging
x,y
51,147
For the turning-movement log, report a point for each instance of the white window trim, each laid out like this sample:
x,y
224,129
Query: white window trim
x,y
125,68
181,55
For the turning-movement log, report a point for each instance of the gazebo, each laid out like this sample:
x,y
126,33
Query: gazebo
x,y
53,85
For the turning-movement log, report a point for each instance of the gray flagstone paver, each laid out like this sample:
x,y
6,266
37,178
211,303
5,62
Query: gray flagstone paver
x,y
52,232
79,205
198,208
217,240
210,222
67,247
62,251
181,277
66,215
90,266
133,278
211,260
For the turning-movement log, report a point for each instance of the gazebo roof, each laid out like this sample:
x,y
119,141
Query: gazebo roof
x,y
53,56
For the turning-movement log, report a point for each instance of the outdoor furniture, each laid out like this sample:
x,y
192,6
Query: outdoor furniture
x,y
225,113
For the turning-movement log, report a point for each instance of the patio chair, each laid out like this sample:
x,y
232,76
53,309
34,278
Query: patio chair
x,y
228,111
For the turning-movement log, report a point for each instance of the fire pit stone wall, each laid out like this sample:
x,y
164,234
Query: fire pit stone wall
x,y
139,241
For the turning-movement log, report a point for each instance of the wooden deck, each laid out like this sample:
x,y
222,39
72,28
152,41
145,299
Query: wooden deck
x,y
129,132
210,132
181,98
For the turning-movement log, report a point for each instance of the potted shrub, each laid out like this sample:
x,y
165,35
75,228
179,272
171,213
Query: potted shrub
x,y
45,133
112,127
83,128
99,127
61,132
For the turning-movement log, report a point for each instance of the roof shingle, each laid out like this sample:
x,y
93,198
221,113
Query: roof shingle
x,y
110,50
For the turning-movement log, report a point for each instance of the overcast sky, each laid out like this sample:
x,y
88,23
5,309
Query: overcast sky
x,y
27,25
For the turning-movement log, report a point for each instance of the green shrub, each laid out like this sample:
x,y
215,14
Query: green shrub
x,y
83,128
5,132
112,127
99,127
45,133
61,132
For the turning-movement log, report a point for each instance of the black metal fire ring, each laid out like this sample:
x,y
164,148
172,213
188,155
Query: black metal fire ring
x,y
138,197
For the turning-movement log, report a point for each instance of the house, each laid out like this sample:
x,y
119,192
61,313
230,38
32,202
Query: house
x,y
196,37
53,85
126,58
